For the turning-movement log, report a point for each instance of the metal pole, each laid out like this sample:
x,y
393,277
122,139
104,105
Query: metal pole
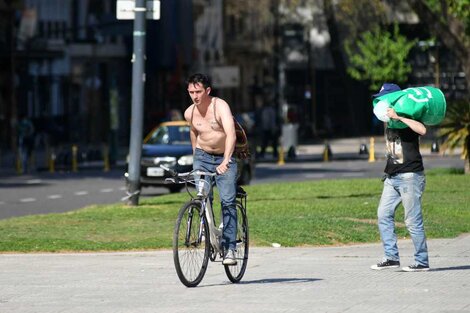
x,y
138,82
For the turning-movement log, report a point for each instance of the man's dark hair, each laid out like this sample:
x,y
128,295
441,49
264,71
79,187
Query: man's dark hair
x,y
199,78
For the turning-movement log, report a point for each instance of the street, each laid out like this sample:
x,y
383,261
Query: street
x,y
61,192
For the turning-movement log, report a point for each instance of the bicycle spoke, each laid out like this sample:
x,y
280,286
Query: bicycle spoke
x,y
190,252
236,272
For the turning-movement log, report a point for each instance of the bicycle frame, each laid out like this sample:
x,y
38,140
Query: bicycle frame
x,y
214,232
203,196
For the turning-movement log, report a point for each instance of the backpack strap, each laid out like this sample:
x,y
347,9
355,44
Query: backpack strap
x,y
215,115
192,114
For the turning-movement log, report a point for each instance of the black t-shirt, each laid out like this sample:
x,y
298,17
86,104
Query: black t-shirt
x,y
403,156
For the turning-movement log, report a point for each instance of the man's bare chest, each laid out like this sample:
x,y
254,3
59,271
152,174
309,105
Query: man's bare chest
x,y
206,122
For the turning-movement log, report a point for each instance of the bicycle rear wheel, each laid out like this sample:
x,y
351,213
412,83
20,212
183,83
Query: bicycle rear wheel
x,y
236,272
191,245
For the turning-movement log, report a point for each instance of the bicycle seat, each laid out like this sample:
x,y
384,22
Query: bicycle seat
x,y
240,192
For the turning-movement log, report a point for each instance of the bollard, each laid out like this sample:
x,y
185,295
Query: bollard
x,y
52,158
281,160
74,158
327,154
19,164
372,150
106,158
435,147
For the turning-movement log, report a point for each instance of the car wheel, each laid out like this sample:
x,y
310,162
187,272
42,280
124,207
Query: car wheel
x,y
175,188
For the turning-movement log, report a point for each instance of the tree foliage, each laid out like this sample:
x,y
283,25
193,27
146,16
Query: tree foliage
x,y
357,16
379,56
456,129
449,21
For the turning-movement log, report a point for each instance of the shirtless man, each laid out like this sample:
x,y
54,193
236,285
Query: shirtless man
x,y
213,140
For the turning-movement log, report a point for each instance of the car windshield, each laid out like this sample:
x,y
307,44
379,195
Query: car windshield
x,y
170,135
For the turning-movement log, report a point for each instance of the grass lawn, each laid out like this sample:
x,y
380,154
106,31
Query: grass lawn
x,y
326,212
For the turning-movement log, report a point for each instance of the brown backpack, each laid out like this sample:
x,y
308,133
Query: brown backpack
x,y
242,149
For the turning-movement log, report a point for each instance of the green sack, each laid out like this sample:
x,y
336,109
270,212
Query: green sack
x,y
424,104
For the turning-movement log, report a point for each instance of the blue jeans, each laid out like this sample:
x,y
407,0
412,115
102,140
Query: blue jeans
x,y
406,188
227,185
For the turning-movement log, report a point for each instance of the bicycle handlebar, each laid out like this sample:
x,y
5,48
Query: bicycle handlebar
x,y
184,176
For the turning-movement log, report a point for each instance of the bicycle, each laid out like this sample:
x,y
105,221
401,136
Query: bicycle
x,y
197,239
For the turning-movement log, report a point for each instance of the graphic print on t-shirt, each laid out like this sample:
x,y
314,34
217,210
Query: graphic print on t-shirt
x,y
394,147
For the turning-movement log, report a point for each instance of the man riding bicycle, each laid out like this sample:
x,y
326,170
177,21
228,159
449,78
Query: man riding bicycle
x,y
213,140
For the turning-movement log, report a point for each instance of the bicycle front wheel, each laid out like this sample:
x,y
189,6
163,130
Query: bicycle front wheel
x,y
236,272
191,246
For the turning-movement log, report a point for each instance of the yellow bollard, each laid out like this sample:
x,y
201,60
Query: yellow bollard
x,y
372,150
327,152
52,158
19,164
74,158
281,160
106,158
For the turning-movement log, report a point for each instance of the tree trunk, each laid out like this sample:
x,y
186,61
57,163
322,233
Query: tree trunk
x,y
449,30
340,64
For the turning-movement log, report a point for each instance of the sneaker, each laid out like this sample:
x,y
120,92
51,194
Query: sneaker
x,y
385,264
229,258
416,268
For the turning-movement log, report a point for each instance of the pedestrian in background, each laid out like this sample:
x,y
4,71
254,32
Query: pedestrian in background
x,y
404,182
269,130
25,131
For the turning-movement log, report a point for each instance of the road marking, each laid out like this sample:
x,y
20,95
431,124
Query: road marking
x,y
81,193
122,188
54,196
107,190
27,200
33,181
315,175
1,202
353,174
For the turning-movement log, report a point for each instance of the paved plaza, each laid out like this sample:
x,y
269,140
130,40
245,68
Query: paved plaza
x,y
307,279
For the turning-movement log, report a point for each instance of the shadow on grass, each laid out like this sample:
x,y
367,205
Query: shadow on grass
x,y
361,195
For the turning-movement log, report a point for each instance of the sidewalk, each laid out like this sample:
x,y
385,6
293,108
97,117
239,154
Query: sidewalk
x,y
318,279
349,148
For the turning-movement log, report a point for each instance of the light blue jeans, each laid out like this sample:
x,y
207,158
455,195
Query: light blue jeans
x,y
406,188
227,186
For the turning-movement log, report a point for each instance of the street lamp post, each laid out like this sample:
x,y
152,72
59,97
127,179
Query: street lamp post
x,y
138,84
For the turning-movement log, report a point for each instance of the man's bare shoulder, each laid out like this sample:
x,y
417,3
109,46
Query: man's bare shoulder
x,y
188,113
222,106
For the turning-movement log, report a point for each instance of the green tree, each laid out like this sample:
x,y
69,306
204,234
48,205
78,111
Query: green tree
x,y
448,20
456,129
378,56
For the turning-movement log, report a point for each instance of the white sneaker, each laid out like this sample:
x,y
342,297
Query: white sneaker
x,y
229,258
415,268
385,264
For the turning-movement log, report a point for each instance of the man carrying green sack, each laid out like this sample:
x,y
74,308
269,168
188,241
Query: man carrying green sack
x,y
424,104
404,178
